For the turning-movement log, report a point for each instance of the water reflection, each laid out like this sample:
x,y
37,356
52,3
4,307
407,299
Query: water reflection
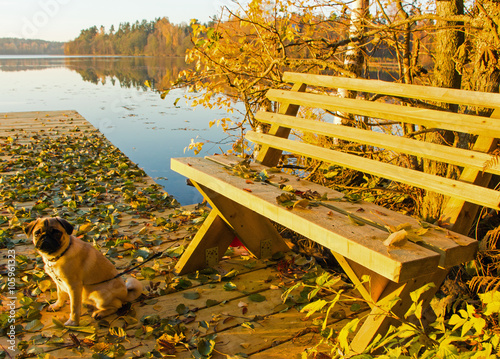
x,y
126,71
129,71
110,93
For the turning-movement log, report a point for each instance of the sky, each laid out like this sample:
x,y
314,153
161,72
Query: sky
x,y
62,20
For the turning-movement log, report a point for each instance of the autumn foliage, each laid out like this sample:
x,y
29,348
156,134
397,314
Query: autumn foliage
x,y
154,38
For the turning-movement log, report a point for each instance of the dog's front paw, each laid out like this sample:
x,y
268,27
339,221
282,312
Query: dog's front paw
x,y
71,323
54,307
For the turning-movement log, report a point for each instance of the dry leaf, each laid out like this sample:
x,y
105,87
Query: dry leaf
x,y
396,239
403,226
247,189
421,231
381,213
127,245
249,181
303,203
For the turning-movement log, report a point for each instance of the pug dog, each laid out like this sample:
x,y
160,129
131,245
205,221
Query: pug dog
x,y
80,271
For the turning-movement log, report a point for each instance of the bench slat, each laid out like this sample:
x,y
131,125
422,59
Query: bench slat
x,y
484,126
438,94
468,192
363,244
448,154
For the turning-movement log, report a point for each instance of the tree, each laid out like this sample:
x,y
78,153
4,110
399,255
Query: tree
x,y
245,52
158,38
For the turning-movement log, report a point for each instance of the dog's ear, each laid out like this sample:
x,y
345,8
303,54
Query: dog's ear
x,y
29,228
68,227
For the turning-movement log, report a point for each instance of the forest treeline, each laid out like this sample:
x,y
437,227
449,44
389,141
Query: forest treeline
x,y
148,38
14,46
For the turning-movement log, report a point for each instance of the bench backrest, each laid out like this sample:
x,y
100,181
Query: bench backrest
x,y
318,92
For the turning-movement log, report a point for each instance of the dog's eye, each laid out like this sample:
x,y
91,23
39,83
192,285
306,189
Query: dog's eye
x,y
38,232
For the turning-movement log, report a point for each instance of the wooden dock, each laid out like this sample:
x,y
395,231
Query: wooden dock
x,y
57,163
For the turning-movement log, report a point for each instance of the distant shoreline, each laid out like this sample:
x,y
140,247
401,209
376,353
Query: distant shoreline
x,y
17,46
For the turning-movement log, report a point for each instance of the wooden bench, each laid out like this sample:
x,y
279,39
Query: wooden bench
x,y
354,232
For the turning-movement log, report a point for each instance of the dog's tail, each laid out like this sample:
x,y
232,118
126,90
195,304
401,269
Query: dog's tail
x,y
134,288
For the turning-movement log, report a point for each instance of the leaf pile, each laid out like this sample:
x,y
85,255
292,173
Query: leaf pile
x,y
79,176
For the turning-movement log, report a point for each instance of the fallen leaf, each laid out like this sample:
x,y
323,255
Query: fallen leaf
x,y
403,226
256,297
421,231
396,239
303,203
247,189
191,295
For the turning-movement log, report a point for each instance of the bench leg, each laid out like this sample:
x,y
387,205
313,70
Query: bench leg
x,y
227,220
208,245
377,323
259,236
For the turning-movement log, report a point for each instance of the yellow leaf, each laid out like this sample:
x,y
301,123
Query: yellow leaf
x,y
303,203
403,226
396,239
421,231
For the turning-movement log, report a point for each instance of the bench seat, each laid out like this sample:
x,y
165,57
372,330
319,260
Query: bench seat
x,y
353,230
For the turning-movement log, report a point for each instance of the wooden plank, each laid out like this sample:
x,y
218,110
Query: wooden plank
x,y
359,243
453,155
270,156
483,126
466,191
453,247
438,94
269,330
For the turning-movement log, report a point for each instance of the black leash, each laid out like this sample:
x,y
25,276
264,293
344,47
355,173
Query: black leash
x,y
156,255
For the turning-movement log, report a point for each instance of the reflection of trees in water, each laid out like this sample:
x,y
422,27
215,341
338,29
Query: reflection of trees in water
x,y
27,64
129,71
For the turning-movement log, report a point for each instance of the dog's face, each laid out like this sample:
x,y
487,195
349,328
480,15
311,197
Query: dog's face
x,y
49,234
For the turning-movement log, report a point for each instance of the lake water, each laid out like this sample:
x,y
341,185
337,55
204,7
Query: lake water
x,y
110,93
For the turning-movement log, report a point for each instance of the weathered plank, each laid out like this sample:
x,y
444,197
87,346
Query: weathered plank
x,y
484,126
448,154
430,93
465,191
